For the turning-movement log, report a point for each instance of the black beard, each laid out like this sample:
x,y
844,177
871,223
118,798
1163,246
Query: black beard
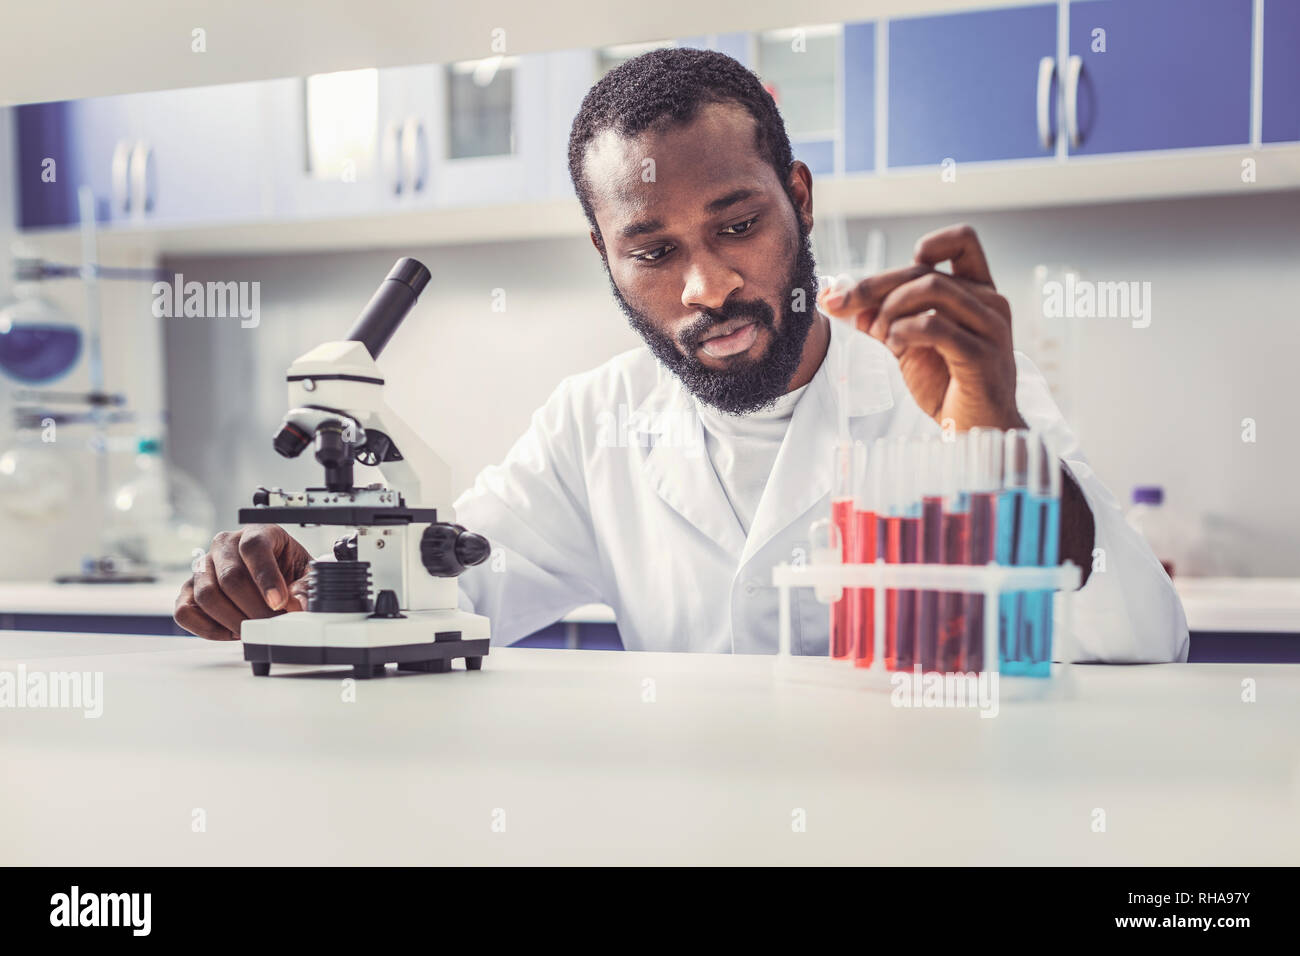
x,y
751,384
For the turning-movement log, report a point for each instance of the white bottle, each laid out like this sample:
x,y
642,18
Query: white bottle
x,y
1158,525
161,518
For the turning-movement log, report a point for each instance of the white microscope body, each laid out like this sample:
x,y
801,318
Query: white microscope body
x,y
391,595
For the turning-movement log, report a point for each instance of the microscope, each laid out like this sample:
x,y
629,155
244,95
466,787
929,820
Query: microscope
x,y
390,595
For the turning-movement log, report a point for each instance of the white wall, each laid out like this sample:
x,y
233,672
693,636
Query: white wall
x,y
1160,405
466,377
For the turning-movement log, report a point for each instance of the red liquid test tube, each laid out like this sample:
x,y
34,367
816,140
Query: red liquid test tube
x,y
927,454
841,610
865,548
902,546
841,625
955,549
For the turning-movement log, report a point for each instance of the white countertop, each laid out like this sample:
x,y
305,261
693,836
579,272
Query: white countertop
x,y
1247,605
152,600
586,770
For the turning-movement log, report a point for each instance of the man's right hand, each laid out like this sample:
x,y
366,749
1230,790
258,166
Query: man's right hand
x,y
256,572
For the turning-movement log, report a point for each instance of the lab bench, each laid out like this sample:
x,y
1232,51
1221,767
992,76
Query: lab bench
x,y
1230,619
581,757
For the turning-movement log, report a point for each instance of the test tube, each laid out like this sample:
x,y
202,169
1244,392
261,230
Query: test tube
x,y
984,479
956,550
1010,548
929,452
902,546
866,507
1043,505
842,517
826,551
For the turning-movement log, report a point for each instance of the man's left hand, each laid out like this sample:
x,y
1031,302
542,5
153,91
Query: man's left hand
x,y
950,333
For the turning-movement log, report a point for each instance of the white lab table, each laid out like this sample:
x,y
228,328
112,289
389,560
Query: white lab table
x,y
48,599
596,757
1241,605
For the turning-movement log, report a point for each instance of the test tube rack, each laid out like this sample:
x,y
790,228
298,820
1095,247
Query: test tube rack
x,y
991,580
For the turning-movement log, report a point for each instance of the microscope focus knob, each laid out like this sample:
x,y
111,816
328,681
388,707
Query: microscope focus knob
x,y
472,549
448,549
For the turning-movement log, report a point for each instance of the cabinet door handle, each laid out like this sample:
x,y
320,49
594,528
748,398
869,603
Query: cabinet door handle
x,y
142,174
1072,72
398,182
415,153
121,178
1046,70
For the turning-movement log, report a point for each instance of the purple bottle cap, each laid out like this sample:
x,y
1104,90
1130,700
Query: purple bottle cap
x,y
1148,495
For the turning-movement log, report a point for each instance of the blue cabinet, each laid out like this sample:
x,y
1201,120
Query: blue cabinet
x,y
64,146
168,157
966,86
859,121
1158,74
46,170
1281,107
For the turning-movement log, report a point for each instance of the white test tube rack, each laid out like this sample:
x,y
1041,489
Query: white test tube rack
x,y
991,580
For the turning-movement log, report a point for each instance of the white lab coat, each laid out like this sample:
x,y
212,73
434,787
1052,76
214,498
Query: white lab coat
x,y
609,497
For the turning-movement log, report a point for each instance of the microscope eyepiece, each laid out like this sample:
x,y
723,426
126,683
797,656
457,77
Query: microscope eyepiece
x,y
387,308
290,440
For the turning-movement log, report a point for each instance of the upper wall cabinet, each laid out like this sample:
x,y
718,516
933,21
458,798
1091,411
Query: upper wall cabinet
x,y
198,155
1157,74
345,144
968,86
801,67
996,84
1281,119
167,157
490,129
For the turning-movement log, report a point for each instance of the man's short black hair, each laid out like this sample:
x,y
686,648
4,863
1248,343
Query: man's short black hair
x,y
665,88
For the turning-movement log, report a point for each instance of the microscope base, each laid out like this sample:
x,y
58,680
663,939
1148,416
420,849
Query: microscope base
x,y
370,662
367,643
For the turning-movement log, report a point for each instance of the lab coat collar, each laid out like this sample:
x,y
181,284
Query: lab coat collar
x,y
678,468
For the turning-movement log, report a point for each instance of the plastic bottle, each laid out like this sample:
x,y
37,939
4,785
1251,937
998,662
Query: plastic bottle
x,y
161,516
1157,524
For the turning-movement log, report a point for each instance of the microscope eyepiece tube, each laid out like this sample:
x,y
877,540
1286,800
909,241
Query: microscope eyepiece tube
x,y
388,306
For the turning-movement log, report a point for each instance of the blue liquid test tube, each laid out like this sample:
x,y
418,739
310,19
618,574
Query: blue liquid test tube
x,y
1043,506
1013,547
